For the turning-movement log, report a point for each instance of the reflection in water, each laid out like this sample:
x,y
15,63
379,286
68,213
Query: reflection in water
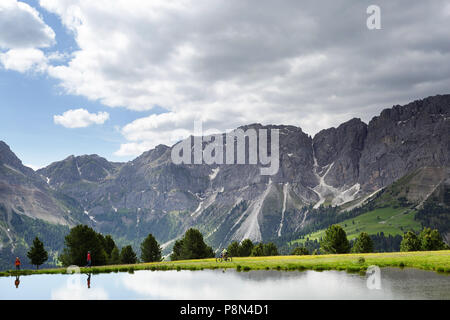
x,y
251,285
17,282
72,289
229,284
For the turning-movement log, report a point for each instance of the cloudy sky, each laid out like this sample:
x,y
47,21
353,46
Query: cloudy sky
x,y
118,77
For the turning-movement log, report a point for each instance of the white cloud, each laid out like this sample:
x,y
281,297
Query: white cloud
x,y
21,26
232,63
80,118
173,285
22,32
22,60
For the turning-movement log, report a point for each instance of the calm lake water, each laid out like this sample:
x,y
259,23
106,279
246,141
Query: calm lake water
x,y
228,284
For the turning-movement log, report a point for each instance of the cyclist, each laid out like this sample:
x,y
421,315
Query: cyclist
x,y
224,253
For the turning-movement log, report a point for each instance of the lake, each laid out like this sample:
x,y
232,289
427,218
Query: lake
x,y
387,283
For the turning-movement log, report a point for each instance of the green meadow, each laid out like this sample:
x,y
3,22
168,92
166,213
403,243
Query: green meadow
x,y
438,261
390,221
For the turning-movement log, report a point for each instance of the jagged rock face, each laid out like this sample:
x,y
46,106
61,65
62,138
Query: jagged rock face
x,y
232,202
24,192
10,161
404,138
91,168
341,148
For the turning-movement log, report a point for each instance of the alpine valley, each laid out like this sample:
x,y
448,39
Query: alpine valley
x,y
394,169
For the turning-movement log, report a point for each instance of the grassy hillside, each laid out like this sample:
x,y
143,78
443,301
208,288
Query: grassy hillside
x,y
427,260
390,221
391,211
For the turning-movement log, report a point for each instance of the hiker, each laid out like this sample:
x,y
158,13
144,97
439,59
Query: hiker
x,y
17,282
17,263
89,261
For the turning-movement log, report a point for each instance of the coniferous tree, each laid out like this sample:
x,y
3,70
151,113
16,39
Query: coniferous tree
x,y
233,249
109,245
335,240
150,250
245,248
270,249
37,253
191,246
115,256
363,244
177,250
127,255
79,241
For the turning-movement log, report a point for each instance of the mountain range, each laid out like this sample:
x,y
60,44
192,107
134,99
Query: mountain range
x,y
344,167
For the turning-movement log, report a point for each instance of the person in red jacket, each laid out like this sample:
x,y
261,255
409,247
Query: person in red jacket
x,y
17,282
89,261
17,263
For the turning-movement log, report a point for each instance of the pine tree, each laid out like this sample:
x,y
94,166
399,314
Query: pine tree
x,y
270,249
79,241
363,244
150,250
109,245
177,250
37,253
191,246
245,248
335,240
115,256
233,249
127,255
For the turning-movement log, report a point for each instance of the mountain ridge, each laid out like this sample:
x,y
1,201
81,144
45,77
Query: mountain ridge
x,y
231,202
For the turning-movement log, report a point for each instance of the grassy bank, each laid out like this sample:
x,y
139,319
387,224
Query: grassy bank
x,y
438,261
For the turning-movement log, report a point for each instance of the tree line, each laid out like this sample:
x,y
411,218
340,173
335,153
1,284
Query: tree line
x,y
248,249
335,242
104,251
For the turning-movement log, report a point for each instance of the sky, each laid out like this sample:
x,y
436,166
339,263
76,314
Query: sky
x,y
116,78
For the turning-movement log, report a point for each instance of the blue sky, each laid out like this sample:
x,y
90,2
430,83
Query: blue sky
x,y
30,100
28,103
117,78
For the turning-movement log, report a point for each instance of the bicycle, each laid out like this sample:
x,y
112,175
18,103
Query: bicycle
x,y
224,259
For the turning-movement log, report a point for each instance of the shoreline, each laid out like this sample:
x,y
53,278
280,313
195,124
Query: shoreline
x,y
437,261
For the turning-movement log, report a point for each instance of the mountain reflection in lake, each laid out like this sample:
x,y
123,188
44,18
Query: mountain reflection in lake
x,y
229,284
